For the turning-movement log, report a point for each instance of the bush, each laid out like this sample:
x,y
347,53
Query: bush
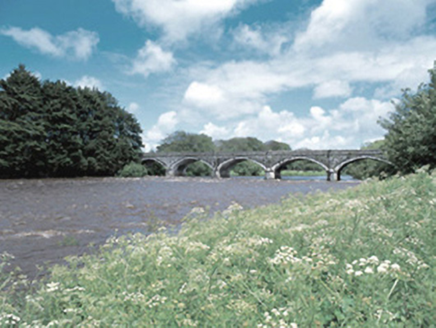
x,y
132,170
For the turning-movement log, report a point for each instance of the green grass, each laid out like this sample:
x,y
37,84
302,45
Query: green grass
x,y
302,173
365,257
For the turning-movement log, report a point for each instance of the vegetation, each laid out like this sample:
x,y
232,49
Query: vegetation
x,y
133,170
364,257
410,141
369,168
52,129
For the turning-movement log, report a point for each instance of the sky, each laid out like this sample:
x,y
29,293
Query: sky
x,y
315,74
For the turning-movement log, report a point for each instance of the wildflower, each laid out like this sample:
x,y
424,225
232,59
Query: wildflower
x,y
369,270
383,268
373,260
395,267
358,273
52,286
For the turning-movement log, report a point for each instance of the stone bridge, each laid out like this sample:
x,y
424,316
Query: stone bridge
x,y
272,162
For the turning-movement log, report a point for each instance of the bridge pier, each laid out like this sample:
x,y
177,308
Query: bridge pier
x,y
269,175
333,176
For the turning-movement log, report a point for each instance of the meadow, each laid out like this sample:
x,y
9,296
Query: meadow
x,y
363,257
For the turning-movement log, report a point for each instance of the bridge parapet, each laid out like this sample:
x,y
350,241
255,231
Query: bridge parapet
x,y
332,161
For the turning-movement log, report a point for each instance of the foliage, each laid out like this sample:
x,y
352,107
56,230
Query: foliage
x,y
245,168
133,170
368,168
181,141
411,134
276,145
52,129
364,257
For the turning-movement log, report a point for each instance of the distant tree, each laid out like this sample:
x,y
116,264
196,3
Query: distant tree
x,y
181,141
410,141
52,129
276,145
241,144
246,168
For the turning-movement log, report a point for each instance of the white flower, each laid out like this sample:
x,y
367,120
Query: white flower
x,y
395,267
373,259
369,270
358,273
382,268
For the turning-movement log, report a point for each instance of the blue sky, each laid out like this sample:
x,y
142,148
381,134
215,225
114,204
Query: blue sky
x,y
312,73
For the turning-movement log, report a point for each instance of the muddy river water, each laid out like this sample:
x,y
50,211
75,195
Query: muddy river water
x,y
42,221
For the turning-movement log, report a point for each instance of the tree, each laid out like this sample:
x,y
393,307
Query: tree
x,y
52,129
276,145
22,135
368,168
246,168
181,141
410,141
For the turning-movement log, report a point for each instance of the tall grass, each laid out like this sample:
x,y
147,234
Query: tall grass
x,y
364,257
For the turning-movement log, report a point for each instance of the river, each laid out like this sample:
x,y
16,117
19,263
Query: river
x,y
42,221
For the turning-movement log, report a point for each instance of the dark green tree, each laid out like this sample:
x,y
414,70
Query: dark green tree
x,y
410,141
22,134
52,129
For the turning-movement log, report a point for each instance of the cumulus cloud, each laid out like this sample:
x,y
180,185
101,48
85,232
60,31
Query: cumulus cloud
x,y
350,125
152,59
89,82
78,44
359,24
214,131
164,126
180,18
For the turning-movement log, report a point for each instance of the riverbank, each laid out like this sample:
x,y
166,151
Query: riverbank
x,y
363,257
45,220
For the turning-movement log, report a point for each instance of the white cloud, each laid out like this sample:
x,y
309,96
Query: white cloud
x,y
89,82
359,24
214,131
133,108
334,88
152,59
350,125
200,94
77,44
180,18
268,42
164,126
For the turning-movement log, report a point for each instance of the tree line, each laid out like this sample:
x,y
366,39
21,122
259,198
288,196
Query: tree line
x,y
51,129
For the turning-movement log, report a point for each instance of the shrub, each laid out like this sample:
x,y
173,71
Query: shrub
x,y
132,170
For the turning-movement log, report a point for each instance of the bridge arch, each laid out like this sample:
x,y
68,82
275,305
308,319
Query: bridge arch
x,y
223,169
179,167
150,162
278,167
338,169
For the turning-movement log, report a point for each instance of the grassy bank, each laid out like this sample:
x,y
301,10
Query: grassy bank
x,y
363,257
